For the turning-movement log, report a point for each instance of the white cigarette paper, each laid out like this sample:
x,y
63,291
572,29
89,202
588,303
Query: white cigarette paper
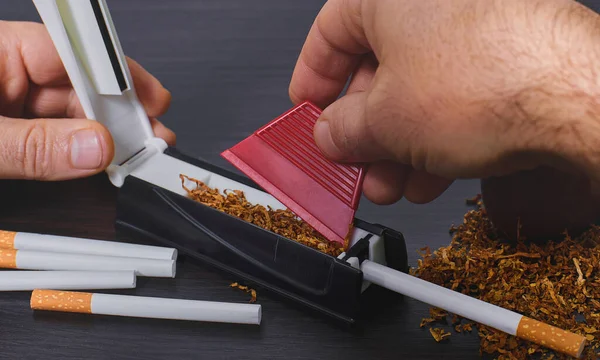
x,y
441,297
38,260
66,244
146,307
67,280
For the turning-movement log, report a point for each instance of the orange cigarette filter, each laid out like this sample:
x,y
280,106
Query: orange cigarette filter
x,y
64,301
8,259
551,337
7,239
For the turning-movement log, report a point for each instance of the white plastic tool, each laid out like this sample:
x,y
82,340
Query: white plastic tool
x,y
84,36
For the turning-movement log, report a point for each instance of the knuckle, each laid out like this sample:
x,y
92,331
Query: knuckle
x,y
173,138
402,125
72,105
378,116
388,121
35,152
351,17
346,130
348,15
338,131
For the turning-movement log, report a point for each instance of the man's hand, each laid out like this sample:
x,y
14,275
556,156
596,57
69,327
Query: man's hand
x,y
442,90
43,131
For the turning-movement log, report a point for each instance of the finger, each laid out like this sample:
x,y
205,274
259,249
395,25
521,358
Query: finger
x,y
161,131
155,98
45,68
35,53
52,102
422,188
61,101
342,132
364,74
53,149
385,181
330,53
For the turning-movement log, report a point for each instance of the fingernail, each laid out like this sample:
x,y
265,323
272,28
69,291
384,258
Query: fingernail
x,y
324,139
86,150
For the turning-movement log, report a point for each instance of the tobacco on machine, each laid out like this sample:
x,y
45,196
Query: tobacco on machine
x,y
280,221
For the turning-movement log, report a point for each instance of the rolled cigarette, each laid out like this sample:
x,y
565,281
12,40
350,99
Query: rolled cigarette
x,y
66,280
66,244
145,307
474,309
38,260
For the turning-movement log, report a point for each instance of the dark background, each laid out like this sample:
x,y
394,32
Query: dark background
x,y
228,65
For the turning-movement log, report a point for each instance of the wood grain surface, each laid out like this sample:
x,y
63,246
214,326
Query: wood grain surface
x,y
228,65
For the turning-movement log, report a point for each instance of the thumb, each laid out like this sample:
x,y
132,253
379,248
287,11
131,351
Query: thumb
x,y
53,149
342,132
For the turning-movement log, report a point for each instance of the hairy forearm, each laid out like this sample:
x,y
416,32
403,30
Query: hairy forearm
x,y
562,105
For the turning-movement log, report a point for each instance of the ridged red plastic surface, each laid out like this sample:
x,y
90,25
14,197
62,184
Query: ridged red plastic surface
x,y
282,157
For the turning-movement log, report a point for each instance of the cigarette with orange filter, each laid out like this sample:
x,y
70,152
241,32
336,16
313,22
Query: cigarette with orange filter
x,y
66,244
145,307
476,310
39,260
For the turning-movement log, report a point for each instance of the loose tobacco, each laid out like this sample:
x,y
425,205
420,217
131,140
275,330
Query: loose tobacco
x,y
557,283
439,334
246,289
282,222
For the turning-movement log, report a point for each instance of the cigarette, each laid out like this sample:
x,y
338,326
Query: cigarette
x,y
67,280
65,244
145,307
476,310
38,260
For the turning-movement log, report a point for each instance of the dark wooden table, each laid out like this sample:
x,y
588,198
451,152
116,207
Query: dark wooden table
x,y
227,64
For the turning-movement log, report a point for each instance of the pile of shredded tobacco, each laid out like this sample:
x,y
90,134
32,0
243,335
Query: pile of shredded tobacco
x,y
557,283
282,222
